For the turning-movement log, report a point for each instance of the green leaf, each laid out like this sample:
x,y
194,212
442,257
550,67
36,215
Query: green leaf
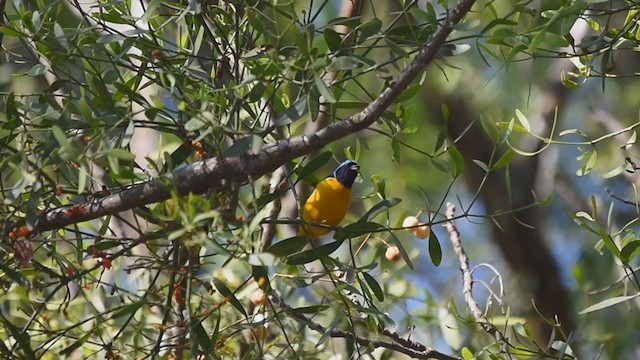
x,y
374,286
523,120
458,160
195,123
607,303
313,309
378,208
403,252
9,31
332,38
591,162
504,160
380,184
177,157
61,138
129,309
408,94
629,251
608,241
481,164
314,164
294,113
202,339
119,154
83,175
435,251
38,69
344,63
23,340
369,29
228,294
308,256
324,89
356,229
76,345
288,246
467,354
251,143
13,275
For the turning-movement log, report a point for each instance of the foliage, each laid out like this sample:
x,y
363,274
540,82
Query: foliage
x,y
192,275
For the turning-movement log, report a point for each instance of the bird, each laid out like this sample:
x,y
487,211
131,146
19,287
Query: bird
x,y
330,200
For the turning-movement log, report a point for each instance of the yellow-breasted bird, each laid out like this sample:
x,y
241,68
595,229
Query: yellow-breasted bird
x,y
330,201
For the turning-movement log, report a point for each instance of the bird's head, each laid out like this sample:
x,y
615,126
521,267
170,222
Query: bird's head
x,y
346,172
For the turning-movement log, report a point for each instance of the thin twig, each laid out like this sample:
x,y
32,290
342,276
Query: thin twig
x,y
269,228
409,348
467,277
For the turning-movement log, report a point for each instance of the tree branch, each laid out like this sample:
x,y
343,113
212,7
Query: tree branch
x,y
214,173
467,278
409,348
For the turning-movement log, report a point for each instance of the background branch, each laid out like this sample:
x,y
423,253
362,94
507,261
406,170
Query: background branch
x,y
467,277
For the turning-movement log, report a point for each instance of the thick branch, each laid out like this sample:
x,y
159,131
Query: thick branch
x,y
213,174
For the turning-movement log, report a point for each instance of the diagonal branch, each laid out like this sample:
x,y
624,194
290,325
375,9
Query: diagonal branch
x,y
467,278
213,174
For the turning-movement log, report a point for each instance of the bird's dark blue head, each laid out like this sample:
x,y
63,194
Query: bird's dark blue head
x,y
346,172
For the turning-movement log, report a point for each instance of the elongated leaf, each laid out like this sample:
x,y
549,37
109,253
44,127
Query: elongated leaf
x,y
129,309
294,113
313,254
288,246
76,345
629,250
22,339
314,309
332,39
607,303
314,164
374,286
608,241
403,252
205,344
228,294
378,208
324,89
435,251
356,229
504,160
458,160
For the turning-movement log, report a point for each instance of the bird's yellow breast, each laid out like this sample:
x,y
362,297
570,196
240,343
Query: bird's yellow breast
x,y
327,205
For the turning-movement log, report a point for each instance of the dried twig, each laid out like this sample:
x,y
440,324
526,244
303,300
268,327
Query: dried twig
x,y
467,277
269,228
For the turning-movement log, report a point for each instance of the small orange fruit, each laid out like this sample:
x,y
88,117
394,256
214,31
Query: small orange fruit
x,y
422,232
392,254
410,222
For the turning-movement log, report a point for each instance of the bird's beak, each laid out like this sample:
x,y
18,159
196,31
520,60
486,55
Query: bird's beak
x,y
355,167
